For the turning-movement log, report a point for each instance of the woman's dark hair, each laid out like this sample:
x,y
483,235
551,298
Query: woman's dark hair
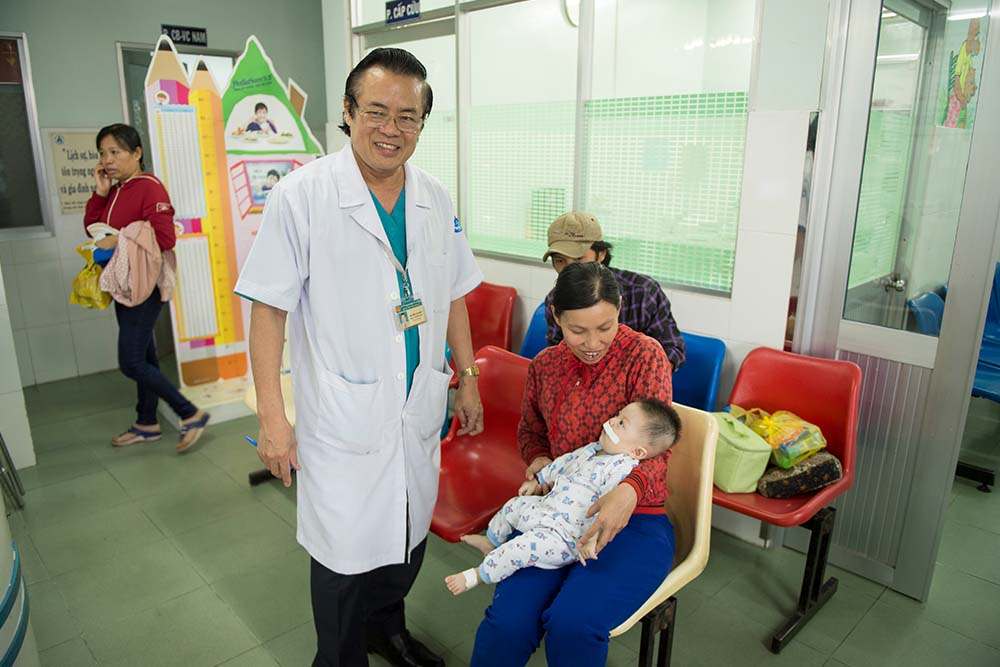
x,y
397,61
605,247
260,105
125,136
273,172
582,285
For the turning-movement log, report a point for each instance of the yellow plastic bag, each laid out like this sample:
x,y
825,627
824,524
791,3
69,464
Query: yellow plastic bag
x,y
86,286
792,438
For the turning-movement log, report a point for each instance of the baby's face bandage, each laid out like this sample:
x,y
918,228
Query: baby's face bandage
x,y
611,432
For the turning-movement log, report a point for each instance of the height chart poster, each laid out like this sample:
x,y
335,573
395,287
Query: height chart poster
x,y
219,153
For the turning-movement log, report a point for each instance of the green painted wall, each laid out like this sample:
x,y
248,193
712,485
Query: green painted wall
x,y
72,48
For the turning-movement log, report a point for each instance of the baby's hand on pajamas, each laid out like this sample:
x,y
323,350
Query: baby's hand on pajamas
x,y
530,488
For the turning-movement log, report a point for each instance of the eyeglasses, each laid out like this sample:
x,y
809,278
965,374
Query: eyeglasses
x,y
376,119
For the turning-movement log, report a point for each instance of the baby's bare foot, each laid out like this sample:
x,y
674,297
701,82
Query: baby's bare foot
x,y
480,542
456,583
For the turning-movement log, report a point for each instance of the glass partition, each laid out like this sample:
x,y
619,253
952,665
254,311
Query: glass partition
x,y
917,151
664,135
522,125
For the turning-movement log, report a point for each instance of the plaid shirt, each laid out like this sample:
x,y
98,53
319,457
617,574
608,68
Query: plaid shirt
x,y
645,308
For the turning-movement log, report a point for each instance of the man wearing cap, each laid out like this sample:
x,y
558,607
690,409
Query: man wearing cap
x,y
577,237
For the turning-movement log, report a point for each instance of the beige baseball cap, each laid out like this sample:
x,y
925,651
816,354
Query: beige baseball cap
x,y
572,234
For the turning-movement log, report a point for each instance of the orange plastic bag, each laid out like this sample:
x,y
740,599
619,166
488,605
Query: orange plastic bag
x,y
87,291
792,438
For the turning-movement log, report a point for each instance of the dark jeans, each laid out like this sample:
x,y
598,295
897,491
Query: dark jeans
x,y
137,361
349,608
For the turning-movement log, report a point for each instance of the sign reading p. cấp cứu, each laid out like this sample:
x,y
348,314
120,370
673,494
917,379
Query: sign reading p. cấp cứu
x,y
400,11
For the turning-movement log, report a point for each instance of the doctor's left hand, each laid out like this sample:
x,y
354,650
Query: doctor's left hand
x,y
468,407
277,449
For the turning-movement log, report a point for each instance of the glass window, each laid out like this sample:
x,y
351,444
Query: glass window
x,y
664,135
522,125
913,178
437,149
20,179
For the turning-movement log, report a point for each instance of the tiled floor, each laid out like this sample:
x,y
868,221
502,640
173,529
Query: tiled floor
x,y
138,557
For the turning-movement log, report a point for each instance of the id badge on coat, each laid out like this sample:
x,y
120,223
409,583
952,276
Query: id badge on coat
x,y
409,313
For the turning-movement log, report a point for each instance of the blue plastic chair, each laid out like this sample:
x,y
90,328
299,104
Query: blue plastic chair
x,y
534,337
927,310
696,384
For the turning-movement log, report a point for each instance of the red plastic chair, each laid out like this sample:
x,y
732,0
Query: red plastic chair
x,y
824,392
491,318
480,473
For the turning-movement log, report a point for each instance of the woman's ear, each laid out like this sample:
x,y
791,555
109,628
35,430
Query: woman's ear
x,y
555,318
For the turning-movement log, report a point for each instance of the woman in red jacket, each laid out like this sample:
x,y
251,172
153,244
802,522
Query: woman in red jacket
x,y
599,367
124,194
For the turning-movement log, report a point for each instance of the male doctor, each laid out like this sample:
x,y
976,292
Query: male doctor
x,y
365,252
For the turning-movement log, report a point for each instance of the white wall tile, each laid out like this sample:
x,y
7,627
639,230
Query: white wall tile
x,y
12,297
69,234
23,351
96,345
16,431
761,286
772,178
542,280
700,313
10,375
792,52
44,293
52,352
30,251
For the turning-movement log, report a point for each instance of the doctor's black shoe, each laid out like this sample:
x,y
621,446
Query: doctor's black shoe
x,y
403,650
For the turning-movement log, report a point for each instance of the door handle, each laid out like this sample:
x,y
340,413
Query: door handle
x,y
893,281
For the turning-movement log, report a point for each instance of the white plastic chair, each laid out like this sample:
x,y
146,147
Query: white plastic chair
x,y
689,506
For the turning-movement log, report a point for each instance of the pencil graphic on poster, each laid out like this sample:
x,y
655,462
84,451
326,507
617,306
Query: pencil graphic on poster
x,y
217,223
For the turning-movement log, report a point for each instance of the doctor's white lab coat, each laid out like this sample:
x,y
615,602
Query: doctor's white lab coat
x,y
370,455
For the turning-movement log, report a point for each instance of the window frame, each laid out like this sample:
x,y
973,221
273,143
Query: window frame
x,y
45,228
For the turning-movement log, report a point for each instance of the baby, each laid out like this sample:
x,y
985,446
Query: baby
x,y
551,524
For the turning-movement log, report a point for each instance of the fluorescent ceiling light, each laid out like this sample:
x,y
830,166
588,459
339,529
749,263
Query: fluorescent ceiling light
x,y
899,58
965,16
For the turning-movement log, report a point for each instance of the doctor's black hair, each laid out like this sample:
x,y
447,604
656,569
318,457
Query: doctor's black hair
x,y
582,285
125,136
397,61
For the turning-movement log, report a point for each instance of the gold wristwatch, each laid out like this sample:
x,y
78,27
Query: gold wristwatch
x,y
471,371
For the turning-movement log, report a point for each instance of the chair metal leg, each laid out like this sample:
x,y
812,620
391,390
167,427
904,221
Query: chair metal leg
x,y
9,464
985,476
9,490
660,621
258,477
815,591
